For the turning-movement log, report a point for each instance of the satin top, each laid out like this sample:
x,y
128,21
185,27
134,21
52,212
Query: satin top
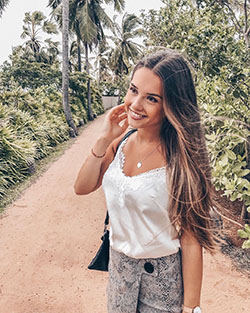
x,y
138,211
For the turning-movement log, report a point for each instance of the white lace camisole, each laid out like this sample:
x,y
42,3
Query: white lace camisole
x,y
138,210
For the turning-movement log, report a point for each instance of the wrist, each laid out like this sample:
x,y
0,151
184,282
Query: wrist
x,y
186,309
103,141
100,147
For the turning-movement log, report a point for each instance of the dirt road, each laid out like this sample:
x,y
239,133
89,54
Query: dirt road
x,y
49,236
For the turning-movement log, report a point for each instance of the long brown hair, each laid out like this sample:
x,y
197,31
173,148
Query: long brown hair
x,y
190,187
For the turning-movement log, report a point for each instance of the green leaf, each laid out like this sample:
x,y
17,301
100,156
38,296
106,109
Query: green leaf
x,y
231,154
247,228
246,244
242,233
243,173
234,196
224,160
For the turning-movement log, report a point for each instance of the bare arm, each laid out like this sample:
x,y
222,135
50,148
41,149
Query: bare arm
x,y
91,173
192,266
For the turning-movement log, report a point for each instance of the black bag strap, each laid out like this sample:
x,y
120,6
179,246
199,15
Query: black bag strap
x,y
106,222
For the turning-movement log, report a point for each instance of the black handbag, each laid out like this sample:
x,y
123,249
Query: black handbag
x,y
101,260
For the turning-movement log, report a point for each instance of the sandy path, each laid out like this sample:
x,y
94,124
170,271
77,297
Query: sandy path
x,y
49,235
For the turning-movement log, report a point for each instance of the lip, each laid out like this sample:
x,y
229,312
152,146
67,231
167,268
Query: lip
x,y
136,116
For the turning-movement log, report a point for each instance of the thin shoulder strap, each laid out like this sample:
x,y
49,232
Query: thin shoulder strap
x,y
106,222
125,137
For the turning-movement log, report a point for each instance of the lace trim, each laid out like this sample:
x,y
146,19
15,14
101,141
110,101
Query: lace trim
x,y
122,162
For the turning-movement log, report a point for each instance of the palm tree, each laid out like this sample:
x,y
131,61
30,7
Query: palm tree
x,y
65,68
51,50
75,16
92,20
34,23
3,5
87,20
126,50
102,61
56,6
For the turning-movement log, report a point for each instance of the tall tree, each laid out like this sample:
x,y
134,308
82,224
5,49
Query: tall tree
x,y
126,50
102,61
3,5
89,18
34,24
65,68
75,16
56,6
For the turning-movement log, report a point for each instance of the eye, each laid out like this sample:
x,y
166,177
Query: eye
x,y
132,89
152,99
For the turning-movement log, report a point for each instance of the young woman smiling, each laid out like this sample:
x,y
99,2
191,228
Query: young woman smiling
x,y
157,188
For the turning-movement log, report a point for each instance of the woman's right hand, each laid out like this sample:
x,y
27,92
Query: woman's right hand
x,y
90,175
115,123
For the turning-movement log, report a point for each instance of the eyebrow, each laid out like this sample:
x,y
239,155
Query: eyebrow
x,y
150,94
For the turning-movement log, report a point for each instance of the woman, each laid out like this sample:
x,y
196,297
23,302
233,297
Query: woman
x,y
157,188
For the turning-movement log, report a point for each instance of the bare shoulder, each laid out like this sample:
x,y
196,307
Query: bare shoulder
x,y
115,144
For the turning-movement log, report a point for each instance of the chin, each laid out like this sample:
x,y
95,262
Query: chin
x,y
134,124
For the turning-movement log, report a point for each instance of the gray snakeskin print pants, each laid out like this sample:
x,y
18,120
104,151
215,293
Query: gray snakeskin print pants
x,y
144,285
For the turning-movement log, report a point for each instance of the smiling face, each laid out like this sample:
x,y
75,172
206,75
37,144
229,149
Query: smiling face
x,y
144,100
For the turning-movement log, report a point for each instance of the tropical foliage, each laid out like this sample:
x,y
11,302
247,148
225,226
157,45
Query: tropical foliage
x,y
126,51
3,5
31,113
34,23
87,20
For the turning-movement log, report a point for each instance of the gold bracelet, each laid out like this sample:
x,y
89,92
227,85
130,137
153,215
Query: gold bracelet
x,y
97,156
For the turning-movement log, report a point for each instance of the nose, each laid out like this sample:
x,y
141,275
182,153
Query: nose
x,y
137,103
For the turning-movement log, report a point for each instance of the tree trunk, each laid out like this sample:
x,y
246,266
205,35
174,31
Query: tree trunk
x,y
99,66
247,29
65,68
120,85
119,94
79,61
90,112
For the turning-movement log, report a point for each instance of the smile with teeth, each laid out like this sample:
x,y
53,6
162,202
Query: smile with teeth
x,y
135,115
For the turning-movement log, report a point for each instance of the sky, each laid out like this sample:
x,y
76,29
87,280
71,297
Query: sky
x,y
11,21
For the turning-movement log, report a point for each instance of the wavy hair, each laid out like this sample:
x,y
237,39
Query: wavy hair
x,y
183,140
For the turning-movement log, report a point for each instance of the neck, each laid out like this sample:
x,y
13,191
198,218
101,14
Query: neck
x,y
148,136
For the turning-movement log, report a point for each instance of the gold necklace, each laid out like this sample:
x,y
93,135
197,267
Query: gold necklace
x,y
139,164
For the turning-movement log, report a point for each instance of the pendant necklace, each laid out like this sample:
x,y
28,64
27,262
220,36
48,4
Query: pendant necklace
x,y
139,164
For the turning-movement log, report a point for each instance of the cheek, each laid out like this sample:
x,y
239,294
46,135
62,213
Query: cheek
x,y
159,114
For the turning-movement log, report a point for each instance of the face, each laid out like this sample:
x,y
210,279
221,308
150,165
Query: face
x,y
144,100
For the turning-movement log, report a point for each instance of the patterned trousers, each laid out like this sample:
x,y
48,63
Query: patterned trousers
x,y
144,285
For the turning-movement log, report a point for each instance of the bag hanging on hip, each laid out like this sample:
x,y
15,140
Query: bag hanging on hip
x,y
101,260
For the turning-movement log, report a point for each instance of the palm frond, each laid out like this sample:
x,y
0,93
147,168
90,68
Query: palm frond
x,y
3,5
87,27
119,5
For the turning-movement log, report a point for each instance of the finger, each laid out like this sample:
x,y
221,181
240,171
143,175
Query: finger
x,y
119,108
122,117
118,116
124,126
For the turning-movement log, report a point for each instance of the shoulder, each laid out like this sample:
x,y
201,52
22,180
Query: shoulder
x,y
118,141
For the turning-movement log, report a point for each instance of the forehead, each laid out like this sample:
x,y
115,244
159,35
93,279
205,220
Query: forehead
x,y
147,81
